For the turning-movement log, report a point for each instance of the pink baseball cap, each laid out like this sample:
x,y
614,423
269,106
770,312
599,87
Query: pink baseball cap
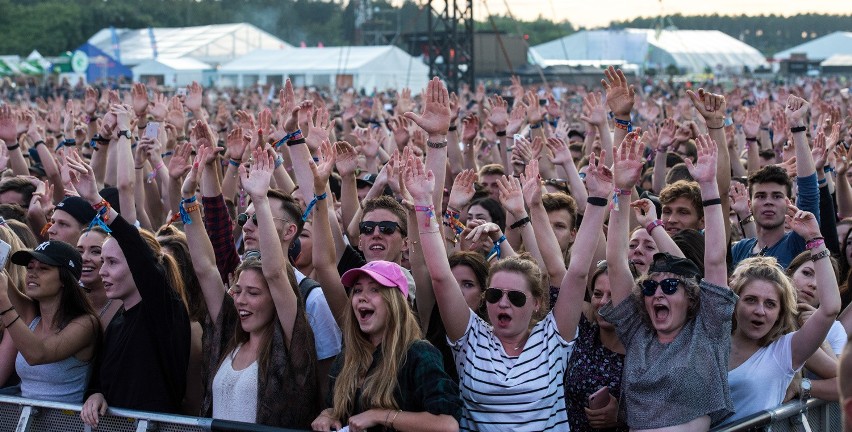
x,y
385,273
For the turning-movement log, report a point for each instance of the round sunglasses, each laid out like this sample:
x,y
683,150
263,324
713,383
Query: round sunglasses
x,y
669,286
517,298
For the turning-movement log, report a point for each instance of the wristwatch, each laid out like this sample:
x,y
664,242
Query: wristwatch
x,y
805,389
125,133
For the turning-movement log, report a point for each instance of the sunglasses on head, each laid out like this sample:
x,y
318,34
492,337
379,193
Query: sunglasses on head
x,y
385,227
243,218
517,298
669,286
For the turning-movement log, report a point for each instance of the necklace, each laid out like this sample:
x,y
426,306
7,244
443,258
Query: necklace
x,y
104,309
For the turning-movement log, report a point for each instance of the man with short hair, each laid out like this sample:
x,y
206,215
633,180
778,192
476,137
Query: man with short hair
x,y
17,190
489,176
562,211
682,207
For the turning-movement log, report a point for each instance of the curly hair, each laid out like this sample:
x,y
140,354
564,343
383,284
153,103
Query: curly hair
x,y
767,269
690,288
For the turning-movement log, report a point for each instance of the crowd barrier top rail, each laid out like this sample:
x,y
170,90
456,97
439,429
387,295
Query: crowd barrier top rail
x,y
812,415
29,415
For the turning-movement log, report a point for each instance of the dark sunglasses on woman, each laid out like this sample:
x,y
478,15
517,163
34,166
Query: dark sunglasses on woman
x,y
517,298
649,286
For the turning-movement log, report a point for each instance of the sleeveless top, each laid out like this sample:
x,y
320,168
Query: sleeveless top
x,y
235,391
62,381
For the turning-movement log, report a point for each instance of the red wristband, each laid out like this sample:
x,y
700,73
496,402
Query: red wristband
x,y
653,224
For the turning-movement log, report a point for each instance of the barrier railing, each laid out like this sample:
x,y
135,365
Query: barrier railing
x,y
812,416
28,415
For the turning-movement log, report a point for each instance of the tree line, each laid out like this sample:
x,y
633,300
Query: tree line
x,y
56,26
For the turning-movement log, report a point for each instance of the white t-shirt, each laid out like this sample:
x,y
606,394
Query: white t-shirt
x,y
235,391
761,382
837,337
502,393
327,336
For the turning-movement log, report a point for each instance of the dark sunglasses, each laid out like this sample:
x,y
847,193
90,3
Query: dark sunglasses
x,y
649,286
517,298
243,218
385,227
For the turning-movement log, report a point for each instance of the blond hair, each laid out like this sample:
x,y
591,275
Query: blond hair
x,y
767,269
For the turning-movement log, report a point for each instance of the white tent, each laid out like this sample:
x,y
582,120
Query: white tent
x,y
821,48
170,72
689,50
363,67
213,44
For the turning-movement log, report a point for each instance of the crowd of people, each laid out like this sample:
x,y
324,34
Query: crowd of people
x,y
639,256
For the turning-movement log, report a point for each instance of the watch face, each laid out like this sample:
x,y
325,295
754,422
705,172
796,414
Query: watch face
x,y
806,384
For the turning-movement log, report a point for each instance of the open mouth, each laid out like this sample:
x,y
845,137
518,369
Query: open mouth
x,y
365,314
377,247
661,312
756,323
503,319
245,314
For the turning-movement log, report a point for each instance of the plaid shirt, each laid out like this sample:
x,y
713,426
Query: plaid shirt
x,y
217,221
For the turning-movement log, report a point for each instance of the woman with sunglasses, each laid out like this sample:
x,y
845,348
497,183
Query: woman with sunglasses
x,y
387,377
766,348
511,371
261,354
675,331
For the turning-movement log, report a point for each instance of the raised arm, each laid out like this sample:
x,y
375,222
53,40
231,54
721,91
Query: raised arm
x,y
715,240
796,113
627,170
255,182
539,226
619,98
203,257
454,310
569,304
646,215
435,120
595,114
324,259
813,332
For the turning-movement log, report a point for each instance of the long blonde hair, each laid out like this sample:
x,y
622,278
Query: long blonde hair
x,y
401,330
767,269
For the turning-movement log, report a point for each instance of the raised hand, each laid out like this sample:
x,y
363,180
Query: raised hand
x,y
751,125
710,106
462,191
819,152
531,180
796,111
499,115
619,95
255,180
511,195
627,168
179,163
738,196
560,150
534,112
175,115
160,107
346,160
8,125
704,170
190,183
90,103
516,119
83,177
435,119
418,181
140,99
470,128
404,103
599,178
322,169
802,223
645,211
236,143
193,97
399,126
593,109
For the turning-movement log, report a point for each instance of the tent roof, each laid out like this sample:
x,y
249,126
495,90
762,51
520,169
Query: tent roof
x,y
181,64
692,49
221,42
316,60
822,47
838,60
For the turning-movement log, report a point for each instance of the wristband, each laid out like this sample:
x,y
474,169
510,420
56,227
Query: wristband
x,y
615,195
429,210
828,169
752,139
295,142
716,128
278,161
38,143
814,243
495,251
14,147
798,129
653,224
7,310
749,219
312,204
501,133
815,257
436,145
183,211
520,222
166,154
597,201
234,162
452,129
623,124
823,181
536,125
712,202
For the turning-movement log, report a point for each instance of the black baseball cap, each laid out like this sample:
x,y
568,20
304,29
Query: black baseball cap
x,y
668,263
78,208
366,180
53,253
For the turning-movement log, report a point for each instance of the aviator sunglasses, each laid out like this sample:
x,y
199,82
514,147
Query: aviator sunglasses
x,y
385,227
517,298
669,286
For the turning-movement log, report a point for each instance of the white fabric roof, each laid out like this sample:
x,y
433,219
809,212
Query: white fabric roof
x,y
821,48
838,60
693,50
167,64
212,43
371,66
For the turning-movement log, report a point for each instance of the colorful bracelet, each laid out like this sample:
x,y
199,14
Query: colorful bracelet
x,y
429,210
311,205
815,243
653,224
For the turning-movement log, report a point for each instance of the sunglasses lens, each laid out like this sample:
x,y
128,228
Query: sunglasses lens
x,y
493,295
669,286
242,218
649,287
517,298
367,227
387,228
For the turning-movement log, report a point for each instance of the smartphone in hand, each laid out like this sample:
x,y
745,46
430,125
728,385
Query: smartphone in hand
x,y
152,129
599,399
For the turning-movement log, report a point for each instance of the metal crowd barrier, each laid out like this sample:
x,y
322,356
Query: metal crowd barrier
x,y
812,416
28,415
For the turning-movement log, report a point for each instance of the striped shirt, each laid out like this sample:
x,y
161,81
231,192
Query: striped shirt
x,y
501,392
